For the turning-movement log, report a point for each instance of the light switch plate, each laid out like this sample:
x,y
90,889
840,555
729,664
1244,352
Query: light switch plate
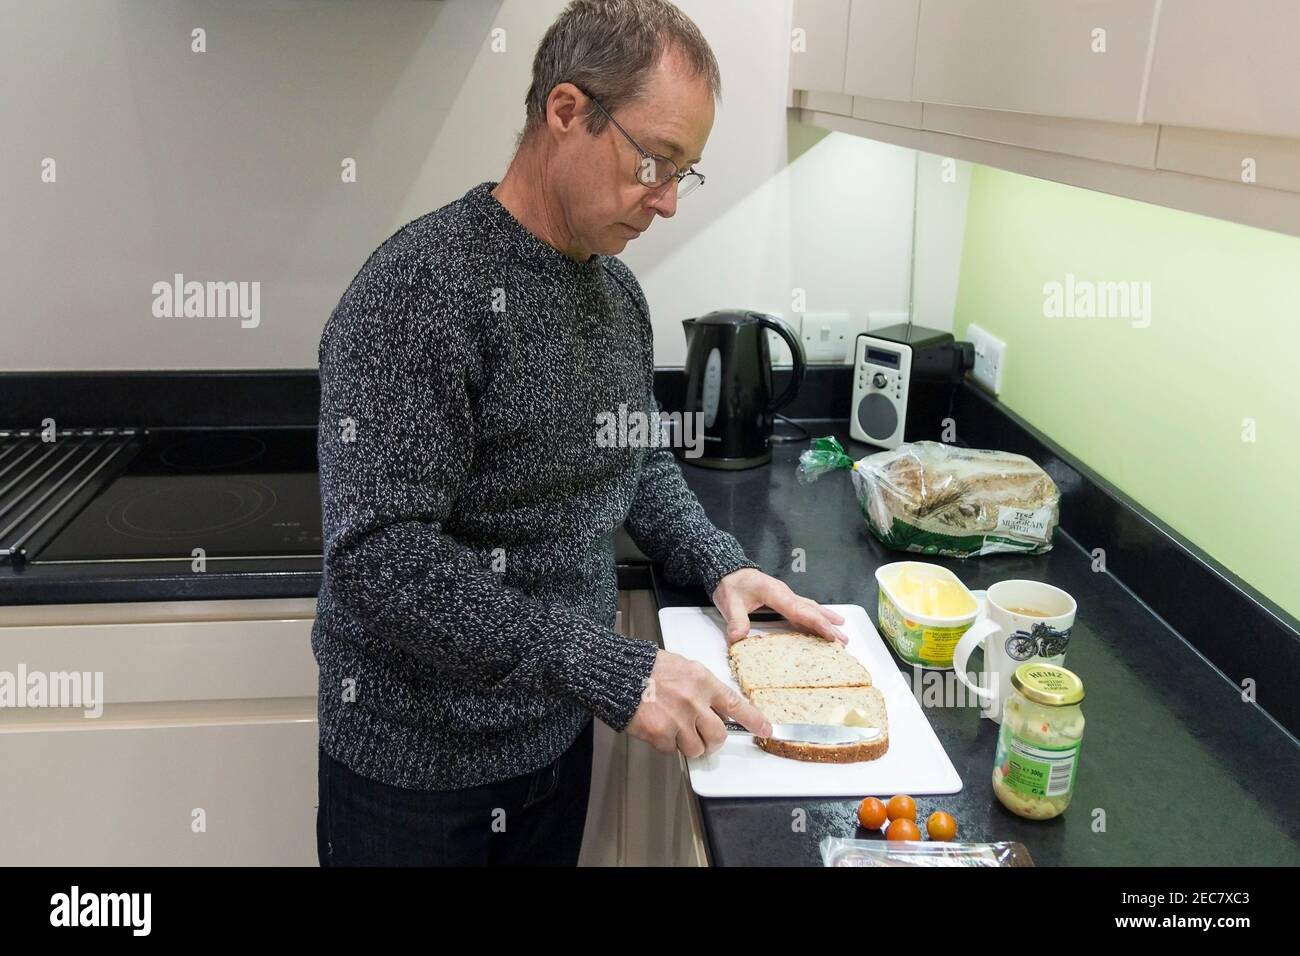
x,y
825,336
990,358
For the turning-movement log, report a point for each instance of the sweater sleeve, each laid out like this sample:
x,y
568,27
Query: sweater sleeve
x,y
397,445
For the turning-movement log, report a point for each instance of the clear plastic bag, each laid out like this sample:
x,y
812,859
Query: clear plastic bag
x,y
844,851
931,498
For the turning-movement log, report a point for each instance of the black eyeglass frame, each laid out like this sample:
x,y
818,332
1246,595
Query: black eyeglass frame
x,y
677,174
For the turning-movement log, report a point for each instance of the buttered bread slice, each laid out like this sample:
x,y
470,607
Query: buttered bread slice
x,y
792,659
846,706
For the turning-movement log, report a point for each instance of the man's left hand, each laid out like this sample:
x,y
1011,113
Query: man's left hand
x,y
749,588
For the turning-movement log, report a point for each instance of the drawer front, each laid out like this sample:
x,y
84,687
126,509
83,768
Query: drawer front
x,y
162,789
171,661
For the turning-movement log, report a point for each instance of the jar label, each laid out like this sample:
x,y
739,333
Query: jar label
x,y
1036,770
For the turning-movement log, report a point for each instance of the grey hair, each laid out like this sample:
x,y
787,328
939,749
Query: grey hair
x,y
609,48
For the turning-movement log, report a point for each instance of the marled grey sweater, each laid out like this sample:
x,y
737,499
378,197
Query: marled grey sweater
x,y
462,373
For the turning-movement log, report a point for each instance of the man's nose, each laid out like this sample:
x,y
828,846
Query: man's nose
x,y
665,203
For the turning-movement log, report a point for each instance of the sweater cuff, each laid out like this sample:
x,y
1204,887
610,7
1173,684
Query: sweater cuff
x,y
709,561
607,674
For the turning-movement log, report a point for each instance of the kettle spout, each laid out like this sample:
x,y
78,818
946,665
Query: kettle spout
x,y
689,326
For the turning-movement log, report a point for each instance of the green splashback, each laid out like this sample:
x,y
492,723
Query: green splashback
x,y
1163,411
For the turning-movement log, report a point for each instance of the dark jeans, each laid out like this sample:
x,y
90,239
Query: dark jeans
x,y
532,820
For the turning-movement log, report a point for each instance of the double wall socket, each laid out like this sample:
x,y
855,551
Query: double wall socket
x,y
990,357
825,336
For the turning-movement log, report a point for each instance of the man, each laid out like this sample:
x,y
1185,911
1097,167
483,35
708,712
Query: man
x,y
464,626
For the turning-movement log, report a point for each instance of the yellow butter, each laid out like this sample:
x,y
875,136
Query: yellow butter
x,y
928,596
845,716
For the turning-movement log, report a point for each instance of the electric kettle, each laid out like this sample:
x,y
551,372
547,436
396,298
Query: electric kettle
x,y
729,386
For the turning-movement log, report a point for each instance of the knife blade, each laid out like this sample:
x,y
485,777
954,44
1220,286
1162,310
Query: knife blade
x,y
813,733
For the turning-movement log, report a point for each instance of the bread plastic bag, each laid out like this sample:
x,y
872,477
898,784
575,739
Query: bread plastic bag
x,y
932,498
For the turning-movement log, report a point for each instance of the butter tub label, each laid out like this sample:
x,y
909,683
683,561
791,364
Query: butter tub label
x,y
920,644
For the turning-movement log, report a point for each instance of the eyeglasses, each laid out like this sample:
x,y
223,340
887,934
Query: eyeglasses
x,y
654,171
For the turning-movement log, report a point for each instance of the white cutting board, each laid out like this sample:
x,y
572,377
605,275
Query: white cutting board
x,y
914,764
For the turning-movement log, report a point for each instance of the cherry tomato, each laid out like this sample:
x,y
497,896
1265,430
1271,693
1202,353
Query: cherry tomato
x,y
902,829
941,826
902,807
872,813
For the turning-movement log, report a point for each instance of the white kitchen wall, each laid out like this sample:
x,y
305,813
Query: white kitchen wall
x,y
942,189
225,165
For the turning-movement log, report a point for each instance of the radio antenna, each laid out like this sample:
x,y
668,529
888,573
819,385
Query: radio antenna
x,y
911,262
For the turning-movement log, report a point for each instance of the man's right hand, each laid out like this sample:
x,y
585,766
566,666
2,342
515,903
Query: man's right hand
x,y
683,705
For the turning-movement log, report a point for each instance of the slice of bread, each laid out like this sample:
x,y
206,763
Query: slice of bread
x,y
812,705
792,659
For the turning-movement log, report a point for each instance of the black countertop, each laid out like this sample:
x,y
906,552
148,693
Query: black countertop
x,y
1176,769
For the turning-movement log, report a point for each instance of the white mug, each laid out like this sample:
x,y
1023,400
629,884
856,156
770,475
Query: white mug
x,y
1010,637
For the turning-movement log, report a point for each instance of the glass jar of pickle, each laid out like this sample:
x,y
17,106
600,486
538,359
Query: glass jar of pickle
x,y
1038,743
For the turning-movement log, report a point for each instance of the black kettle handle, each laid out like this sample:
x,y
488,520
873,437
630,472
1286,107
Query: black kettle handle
x,y
782,328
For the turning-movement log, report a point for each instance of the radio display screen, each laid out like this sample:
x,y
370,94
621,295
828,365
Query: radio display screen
x,y
881,357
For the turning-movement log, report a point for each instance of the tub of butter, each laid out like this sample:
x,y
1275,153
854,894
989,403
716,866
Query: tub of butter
x,y
923,610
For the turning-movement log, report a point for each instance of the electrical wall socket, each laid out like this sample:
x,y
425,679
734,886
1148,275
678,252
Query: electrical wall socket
x,y
990,357
825,336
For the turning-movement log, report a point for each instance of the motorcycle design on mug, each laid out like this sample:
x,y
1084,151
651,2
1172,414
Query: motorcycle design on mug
x,y
1041,640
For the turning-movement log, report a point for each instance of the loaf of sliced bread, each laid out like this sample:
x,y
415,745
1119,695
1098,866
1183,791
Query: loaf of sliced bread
x,y
791,659
815,705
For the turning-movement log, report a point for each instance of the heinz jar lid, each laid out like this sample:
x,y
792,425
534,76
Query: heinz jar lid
x,y
1047,684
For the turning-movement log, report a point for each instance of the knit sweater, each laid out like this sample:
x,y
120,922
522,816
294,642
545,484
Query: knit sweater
x,y
464,626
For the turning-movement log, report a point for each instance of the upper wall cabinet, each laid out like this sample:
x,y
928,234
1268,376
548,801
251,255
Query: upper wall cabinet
x,y
1192,104
818,44
882,44
1227,66
1083,59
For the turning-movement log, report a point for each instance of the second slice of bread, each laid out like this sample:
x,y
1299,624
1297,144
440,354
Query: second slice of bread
x,y
792,659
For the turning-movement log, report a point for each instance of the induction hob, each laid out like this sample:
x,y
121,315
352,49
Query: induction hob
x,y
222,494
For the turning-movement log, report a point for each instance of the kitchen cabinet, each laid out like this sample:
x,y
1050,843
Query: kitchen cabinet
x,y
1176,104
839,103
1084,59
1226,66
1272,161
642,811
818,41
890,112
881,48
205,750
1089,139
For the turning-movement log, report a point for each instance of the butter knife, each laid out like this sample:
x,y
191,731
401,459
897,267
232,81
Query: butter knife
x,y
813,733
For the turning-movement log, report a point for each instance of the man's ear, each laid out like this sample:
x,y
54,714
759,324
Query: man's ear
x,y
563,109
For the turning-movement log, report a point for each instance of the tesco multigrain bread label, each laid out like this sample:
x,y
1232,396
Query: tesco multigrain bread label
x,y
1026,524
